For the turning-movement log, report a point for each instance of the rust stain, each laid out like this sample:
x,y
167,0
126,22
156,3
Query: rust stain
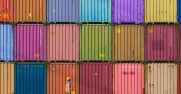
x,y
37,55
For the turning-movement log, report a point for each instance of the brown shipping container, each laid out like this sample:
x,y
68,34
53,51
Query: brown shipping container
x,y
57,75
96,78
6,78
128,42
63,42
29,10
161,78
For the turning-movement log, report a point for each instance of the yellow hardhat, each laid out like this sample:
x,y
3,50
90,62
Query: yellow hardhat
x,y
68,78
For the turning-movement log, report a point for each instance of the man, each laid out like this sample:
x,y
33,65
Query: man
x,y
68,86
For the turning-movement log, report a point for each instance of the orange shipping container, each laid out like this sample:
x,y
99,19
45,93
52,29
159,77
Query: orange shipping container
x,y
29,10
6,78
6,10
128,43
58,73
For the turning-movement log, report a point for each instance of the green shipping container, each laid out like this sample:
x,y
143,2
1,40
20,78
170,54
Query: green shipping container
x,y
96,42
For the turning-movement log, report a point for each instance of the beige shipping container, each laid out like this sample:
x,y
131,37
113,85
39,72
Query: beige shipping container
x,y
128,43
6,78
161,78
29,10
160,11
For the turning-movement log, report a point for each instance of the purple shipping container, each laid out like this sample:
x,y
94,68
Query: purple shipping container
x,y
161,43
124,11
30,42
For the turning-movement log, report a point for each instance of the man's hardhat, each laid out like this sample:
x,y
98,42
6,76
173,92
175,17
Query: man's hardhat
x,y
68,78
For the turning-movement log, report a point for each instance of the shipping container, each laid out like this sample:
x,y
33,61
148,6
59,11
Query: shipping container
x,y
127,11
95,11
128,43
129,78
96,78
96,42
179,79
178,42
179,11
6,42
161,11
6,78
29,10
63,10
63,42
58,75
30,42
6,10
30,78
161,43
161,78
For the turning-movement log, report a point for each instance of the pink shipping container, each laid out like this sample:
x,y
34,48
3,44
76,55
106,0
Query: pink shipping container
x,y
96,78
30,42
129,78
63,42
161,43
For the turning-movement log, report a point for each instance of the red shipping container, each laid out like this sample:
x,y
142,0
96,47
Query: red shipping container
x,y
129,78
6,10
96,78
178,43
179,79
30,42
161,43
63,42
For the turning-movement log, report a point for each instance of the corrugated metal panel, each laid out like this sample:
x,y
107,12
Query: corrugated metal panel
x,y
161,78
160,11
128,42
96,42
95,10
178,39
58,73
6,10
128,11
63,10
30,78
179,79
6,78
96,78
63,42
30,42
129,78
161,43
6,42
179,11
29,10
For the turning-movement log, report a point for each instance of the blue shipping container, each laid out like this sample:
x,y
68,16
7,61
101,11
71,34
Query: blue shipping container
x,y
63,10
30,78
95,10
6,42
179,11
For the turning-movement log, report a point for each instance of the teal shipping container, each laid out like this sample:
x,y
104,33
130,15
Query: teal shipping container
x,y
6,42
95,10
30,78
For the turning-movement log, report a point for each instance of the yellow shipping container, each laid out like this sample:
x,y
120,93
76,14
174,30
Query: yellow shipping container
x,y
128,43
6,78
160,11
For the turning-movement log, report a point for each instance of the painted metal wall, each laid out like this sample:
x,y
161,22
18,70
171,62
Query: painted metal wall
x,y
161,43
63,42
95,10
96,42
160,11
129,78
6,42
29,10
58,73
30,42
128,43
6,11
161,78
126,11
6,78
96,78
63,10
30,78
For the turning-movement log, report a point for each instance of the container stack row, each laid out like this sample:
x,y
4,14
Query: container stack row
x,y
79,11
